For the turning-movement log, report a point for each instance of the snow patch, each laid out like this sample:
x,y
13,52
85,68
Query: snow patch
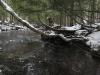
x,y
55,25
0,21
52,33
75,27
98,24
0,70
94,41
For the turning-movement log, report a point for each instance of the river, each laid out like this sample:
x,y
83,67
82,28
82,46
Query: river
x,y
19,45
19,42
23,53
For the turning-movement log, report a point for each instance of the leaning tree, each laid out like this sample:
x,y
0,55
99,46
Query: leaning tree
x,y
27,24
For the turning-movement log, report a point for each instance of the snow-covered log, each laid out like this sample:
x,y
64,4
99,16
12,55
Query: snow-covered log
x,y
24,22
73,28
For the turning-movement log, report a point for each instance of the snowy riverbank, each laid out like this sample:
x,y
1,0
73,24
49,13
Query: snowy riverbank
x,y
5,26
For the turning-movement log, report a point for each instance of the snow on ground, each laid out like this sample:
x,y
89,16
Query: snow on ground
x,y
97,23
52,33
94,41
55,25
6,26
9,27
94,25
0,21
75,27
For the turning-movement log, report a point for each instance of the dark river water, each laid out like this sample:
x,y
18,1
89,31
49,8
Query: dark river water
x,y
19,43
18,49
23,53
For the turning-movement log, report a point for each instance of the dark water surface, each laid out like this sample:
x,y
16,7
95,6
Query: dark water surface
x,y
23,53
19,42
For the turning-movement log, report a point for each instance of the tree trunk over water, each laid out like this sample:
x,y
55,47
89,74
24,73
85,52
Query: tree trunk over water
x,y
25,23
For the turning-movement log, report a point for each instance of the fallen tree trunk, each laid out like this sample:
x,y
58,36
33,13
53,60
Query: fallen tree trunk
x,y
24,22
28,25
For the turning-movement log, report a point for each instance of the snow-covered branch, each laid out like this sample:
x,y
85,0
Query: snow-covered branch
x,y
24,22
